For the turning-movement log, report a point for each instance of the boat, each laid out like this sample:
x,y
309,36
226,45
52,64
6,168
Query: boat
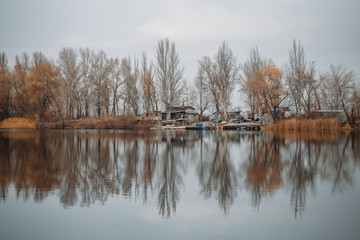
x,y
198,126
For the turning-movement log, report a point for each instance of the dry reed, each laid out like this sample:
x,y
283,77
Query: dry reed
x,y
306,124
19,123
106,122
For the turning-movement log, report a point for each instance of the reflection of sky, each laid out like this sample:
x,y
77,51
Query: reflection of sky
x,y
327,216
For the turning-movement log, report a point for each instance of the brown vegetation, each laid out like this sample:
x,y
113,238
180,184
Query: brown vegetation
x,y
19,123
106,122
306,124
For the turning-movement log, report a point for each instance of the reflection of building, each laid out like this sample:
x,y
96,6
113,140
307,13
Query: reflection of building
x,y
186,112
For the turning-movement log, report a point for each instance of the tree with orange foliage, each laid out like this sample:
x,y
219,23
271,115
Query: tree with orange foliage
x,y
36,87
5,88
19,74
43,83
264,88
274,93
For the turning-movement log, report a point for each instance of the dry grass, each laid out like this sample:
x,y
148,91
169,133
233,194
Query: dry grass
x,y
106,122
306,125
19,123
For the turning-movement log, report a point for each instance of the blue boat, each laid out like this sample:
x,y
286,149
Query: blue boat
x,y
198,126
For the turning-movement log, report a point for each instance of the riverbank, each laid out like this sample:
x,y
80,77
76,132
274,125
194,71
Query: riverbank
x,y
133,123
318,124
108,122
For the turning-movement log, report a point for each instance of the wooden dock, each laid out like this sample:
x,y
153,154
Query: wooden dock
x,y
242,126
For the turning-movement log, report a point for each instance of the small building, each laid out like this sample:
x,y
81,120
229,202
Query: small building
x,y
234,116
152,116
286,112
185,112
340,115
216,117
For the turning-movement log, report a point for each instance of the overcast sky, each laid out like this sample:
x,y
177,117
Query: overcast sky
x,y
328,29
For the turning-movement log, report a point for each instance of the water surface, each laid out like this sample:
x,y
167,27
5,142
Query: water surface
x,y
178,185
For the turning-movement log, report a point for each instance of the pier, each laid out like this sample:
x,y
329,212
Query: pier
x,y
242,126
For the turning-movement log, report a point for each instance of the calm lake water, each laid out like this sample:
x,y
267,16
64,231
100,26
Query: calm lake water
x,y
178,185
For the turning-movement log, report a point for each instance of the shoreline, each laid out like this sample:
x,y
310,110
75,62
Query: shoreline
x,y
132,123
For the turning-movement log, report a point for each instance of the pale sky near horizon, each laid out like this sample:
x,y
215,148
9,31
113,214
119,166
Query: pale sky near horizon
x,y
328,29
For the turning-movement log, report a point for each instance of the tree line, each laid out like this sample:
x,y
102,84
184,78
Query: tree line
x,y
84,83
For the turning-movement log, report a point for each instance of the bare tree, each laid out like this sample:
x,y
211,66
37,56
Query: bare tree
x,y
131,84
189,95
203,94
300,79
70,72
3,60
115,83
208,73
310,98
252,69
337,85
226,75
85,81
149,95
99,74
221,76
169,74
355,103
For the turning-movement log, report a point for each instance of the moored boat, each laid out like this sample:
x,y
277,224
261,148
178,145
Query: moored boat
x,y
198,126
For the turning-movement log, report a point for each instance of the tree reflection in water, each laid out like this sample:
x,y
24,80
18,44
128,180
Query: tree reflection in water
x,y
85,167
263,167
221,177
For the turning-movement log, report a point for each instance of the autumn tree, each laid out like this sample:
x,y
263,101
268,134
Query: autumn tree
x,y
43,82
36,87
273,93
5,88
19,77
147,79
169,74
